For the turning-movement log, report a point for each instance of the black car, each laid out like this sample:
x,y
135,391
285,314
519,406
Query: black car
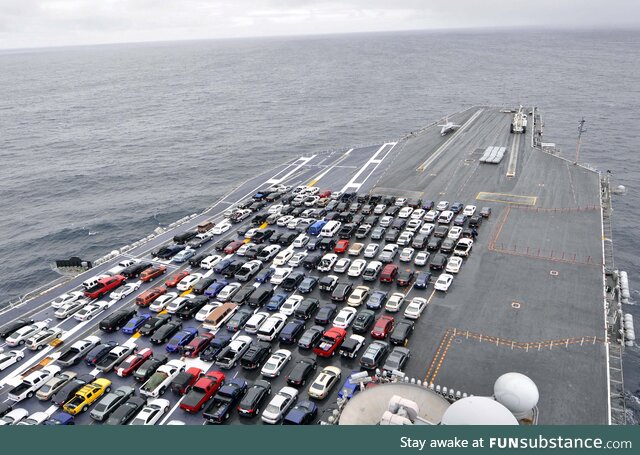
x,y
447,246
399,223
292,281
148,367
392,235
254,251
260,296
311,261
308,284
116,320
68,391
441,231
397,359
216,345
438,262
314,243
259,219
202,285
363,321
5,408
220,245
326,313
341,291
393,210
154,323
12,326
347,230
420,241
184,237
254,398
310,337
357,219
401,332
191,308
275,238
261,236
242,295
374,355
236,264
434,244
164,333
196,260
98,353
239,319
306,308
257,353
404,277
135,270
475,221
328,283
167,251
301,372
325,243
126,411
345,217
287,238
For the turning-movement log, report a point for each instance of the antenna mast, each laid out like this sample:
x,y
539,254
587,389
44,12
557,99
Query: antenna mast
x,y
581,129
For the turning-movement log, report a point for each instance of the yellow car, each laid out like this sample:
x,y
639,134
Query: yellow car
x,y
87,395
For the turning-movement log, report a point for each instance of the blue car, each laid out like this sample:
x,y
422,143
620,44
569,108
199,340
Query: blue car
x,y
303,413
181,339
460,220
308,284
376,300
349,389
135,323
60,418
276,302
264,275
422,280
457,207
215,288
292,331
222,265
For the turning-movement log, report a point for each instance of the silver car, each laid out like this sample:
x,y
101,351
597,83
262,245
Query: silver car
x,y
54,384
110,402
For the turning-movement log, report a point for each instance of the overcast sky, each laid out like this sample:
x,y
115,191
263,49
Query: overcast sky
x,y
37,23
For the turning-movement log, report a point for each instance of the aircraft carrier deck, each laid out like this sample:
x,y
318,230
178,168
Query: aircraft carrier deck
x,y
530,298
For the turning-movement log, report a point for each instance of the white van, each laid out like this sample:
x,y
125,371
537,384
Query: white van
x,y
271,327
372,271
210,261
331,228
445,217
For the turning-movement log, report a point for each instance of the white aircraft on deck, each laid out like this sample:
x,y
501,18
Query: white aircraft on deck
x,y
448,127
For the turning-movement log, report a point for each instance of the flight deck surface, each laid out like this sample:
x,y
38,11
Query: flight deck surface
x,y
528,299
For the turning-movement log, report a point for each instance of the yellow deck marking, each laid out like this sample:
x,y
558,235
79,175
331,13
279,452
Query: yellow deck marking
x,y
187,292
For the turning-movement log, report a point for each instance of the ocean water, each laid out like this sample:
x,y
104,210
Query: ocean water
x,y
99,145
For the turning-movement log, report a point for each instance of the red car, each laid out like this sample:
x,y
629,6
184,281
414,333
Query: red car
x,y
330,342
324,193
384,325
233,247
197,345
202,391
132,362
341,246
150,295
104,286
174,279
185,380
388,273
152,272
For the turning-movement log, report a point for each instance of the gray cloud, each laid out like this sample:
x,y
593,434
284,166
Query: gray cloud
x,y
34,23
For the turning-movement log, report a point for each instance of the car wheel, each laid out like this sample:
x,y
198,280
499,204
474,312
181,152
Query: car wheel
x,y
41,347
21,342
107,390
163,390
29,395
85,408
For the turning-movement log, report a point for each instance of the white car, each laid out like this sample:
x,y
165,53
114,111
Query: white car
x,y
297,259
356,268
221,228
427,228
326,380
310,202
405,212
432,216
20,336
284,220
123,291
293,223
371,250
243,249
177,304
211,261
358,296
455,232
283,257
386,221
274,364
415,308
291,304
418,214
443,282
379,209
405,238
250,233
66,298
276,208
270,329
189,281
454,264
395,302
279,405
152,412
327,262
161,302
345,317
280,275
255,321
15,416
37,418
228,291
442,205
205,311
268,253
69,309
10,358
342,265
407,254
421,258
413,225
89,311
400,202
469,210
301,241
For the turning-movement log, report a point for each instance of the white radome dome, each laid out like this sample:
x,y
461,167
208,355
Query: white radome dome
x,y
478,411
516,392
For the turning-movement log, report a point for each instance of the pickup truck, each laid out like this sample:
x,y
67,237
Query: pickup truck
x,y
225,401
44,337
74,353
330,342
115,356
463,247
160,380
104,286
31,383
231,354
351,346
202,391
